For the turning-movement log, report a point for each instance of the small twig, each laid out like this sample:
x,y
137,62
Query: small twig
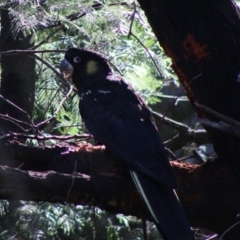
x,y
19,167
43,138
6,117
185,133
13,122
96,223
49,66
230,228
51,101
132,18
219,115
75,169
179,95
171,154
72,125
58,109
183,138
47,38
223,126
184,158
179,98
141,43
19,109
15,106
211,237
17,51
197,156
117,69
150,55
144,227
169,122
77,15
54,70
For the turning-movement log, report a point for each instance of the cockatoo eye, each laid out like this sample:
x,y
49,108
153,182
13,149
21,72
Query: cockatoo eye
x,y
77,59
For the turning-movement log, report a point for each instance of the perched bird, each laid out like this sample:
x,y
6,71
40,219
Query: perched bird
x,y
118,117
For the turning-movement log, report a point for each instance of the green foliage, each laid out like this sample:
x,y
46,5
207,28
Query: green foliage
x,y
105,29
29,220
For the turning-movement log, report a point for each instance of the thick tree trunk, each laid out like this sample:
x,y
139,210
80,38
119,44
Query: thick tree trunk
x,y
18,76
202,38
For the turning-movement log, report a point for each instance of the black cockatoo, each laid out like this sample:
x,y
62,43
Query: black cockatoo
x,y
118,117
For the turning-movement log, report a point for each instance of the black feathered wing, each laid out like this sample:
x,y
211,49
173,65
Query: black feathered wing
x,y
119,119
164,207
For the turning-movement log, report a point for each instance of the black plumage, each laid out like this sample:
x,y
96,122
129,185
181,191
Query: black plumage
x,y
118,117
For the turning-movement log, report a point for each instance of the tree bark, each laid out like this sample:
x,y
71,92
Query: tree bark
x,y
202,38
88,175
17,77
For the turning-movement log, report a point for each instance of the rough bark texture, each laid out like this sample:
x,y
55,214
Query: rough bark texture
x,y
202,38
88,175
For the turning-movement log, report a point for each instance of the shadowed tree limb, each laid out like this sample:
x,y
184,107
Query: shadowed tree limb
x,y
185,134
90,175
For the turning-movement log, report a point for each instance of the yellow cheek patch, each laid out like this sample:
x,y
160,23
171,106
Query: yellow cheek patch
x,y
92,67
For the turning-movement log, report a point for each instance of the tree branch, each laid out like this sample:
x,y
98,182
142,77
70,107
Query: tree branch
x,y
185,134
93,176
